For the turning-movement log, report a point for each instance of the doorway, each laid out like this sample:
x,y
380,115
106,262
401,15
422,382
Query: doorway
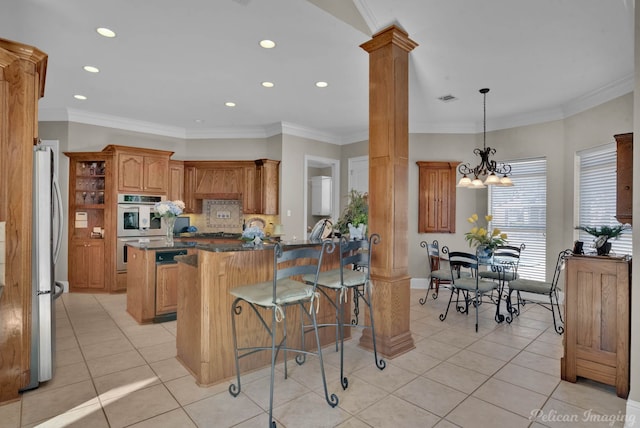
x,y
318,166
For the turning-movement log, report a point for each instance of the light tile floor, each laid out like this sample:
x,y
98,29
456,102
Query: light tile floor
x,y
112,372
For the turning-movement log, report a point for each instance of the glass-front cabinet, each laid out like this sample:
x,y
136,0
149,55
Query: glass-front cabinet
x,y
90,222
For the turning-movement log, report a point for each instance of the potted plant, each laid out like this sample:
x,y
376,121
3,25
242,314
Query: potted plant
x,y
356,213
602,234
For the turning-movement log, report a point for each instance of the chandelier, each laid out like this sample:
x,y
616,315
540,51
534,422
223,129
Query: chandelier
x,y
490,169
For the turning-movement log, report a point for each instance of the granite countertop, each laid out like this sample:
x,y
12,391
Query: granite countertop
x,y
218,248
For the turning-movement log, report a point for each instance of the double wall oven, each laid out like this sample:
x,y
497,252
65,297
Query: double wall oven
x,y
137,223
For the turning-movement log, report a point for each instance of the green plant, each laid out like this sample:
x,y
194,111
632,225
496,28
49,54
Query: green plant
x,y
356,212
608,231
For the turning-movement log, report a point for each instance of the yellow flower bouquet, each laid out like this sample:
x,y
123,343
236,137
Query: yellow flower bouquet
x,y
481,236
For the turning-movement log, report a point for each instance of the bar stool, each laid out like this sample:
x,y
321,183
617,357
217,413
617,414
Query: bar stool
x,y
276,296
353,274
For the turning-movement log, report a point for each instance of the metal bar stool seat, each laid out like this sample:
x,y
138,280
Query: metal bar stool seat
x,y
353,274
282,291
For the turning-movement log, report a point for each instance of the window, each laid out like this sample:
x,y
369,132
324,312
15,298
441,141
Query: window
x,y
596,188
521,212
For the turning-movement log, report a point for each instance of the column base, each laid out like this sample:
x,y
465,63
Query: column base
x,y
391,303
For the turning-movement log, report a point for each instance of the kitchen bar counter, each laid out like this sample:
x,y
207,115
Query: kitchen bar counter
x,y
204,335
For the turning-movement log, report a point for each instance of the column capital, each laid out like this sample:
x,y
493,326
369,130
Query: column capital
x,y
390,35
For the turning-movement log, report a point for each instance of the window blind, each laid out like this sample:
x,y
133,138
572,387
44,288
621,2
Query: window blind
x,y
521,212
597,197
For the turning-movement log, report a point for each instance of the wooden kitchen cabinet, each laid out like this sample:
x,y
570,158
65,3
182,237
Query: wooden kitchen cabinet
x,y
166,289
141,170
91,261
86,265
256,183
249,190
597,321
268,178
151,287
176,181
624,173
437,197
22,83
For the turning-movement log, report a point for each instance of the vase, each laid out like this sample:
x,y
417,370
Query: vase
x,y
169,224
485,254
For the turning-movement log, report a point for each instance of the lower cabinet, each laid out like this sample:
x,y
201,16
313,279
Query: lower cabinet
x,y
166,288
152,288
87,265
597,324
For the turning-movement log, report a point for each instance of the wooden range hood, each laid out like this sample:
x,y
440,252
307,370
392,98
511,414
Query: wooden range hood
x,y
222,196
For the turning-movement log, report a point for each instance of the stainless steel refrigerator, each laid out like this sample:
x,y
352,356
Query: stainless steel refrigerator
x,y
47,239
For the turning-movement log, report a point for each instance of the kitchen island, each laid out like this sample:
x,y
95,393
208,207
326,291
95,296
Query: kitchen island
x,y
204,333
152,279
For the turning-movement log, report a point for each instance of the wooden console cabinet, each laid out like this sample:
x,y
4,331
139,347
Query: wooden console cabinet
x,y
597,324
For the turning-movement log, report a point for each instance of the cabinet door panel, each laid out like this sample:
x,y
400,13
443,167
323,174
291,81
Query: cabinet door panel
x,y
176,181
156,171
437,197
166,288
130,172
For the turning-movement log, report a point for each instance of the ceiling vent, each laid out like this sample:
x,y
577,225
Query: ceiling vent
x,y
447,98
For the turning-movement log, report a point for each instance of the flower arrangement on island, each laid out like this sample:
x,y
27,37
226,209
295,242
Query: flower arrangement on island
x,y
481,236
168,208
251,233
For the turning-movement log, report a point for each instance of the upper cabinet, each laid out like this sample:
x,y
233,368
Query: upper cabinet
x,y
624,198
268,179
255,183
141,170
437,197
176,181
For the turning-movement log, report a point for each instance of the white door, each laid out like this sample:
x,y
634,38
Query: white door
x,y
359,174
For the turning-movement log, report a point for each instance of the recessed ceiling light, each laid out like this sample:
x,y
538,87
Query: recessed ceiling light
x,y
268,84
91,69
198,121
106,32
267,44
79,97
230,104
322,84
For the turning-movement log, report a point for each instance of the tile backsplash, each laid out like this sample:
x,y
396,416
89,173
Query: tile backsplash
x,y
226,216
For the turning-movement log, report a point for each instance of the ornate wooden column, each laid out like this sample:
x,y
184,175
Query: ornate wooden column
x,y
388,181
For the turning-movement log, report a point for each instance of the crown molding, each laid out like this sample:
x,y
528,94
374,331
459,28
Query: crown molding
x,y
618,88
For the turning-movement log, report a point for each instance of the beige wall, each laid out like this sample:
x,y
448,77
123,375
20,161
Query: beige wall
x,y
292,184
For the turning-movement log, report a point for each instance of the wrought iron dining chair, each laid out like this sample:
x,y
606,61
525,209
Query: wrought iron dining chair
x,y
437,275
352,275
276,295
508,258
543,288
465,281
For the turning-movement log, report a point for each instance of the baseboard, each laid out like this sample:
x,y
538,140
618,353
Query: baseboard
x,y
633,414
65,285
419,283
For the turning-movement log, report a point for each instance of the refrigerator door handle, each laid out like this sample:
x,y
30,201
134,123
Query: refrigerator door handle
x,y
58,198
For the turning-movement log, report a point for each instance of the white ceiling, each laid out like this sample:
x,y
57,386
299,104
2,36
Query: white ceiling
x,y
173,62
